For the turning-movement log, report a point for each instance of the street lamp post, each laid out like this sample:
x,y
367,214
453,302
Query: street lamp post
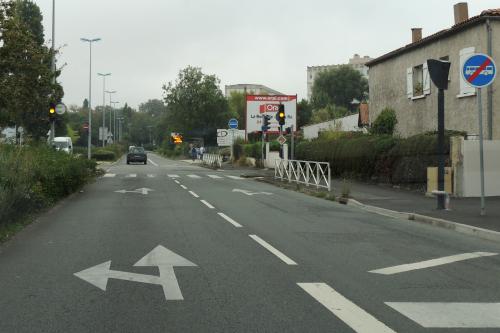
x,y
113,109
89,142
110,113
53,64
104,105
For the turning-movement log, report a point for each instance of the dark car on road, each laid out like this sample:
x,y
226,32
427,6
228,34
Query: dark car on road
x,y
137,154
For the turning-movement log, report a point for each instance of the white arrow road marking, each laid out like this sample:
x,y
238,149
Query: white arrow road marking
x,y
150,161
173,176
109,175
273,250
194,194
144,191
432,263
206,203
159,257
194,176
214,176
355,317
251,193
132,175
230,220
451,315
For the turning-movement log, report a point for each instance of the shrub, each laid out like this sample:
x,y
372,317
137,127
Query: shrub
x,y
35,177
103,155
385,122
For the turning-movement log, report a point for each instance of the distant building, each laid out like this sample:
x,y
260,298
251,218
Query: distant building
x,y
255,89
356,62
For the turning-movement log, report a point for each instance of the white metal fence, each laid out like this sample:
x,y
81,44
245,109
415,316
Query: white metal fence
x,y
304,172
214,160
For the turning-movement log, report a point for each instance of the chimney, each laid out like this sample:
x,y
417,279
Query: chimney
x,y
461,10
416,34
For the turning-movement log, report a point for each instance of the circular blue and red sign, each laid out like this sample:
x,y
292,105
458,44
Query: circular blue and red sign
x,y
479,70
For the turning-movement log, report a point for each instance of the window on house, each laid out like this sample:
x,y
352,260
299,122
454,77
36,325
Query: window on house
x,y
418,80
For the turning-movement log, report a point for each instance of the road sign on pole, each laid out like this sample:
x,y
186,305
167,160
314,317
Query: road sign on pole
x,y
479,71
61,109
233,123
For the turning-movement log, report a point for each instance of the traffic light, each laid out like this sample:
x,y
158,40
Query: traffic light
x,y
52,112
266,125
281,115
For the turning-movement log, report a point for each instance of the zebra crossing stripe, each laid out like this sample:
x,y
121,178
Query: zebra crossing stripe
x,y
109,175
234,177
215,177
173,176
132,175
194,176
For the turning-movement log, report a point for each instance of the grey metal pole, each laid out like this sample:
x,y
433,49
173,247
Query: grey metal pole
x,y
489,101
441,162
103,108
481,151
53,65
89,141
292,153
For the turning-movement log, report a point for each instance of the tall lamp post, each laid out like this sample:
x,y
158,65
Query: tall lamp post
x,y
89,143
113,109
104,105
110,105
53,64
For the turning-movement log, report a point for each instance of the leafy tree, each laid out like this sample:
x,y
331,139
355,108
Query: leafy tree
x,y
196,105
385,123
327,113
26,78
153,107
304,113
338,86
237,104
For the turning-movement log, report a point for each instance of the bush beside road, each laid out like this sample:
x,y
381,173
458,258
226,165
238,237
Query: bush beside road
x,y
33,178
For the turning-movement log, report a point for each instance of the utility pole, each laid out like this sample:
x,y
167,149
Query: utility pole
x,y
110,105
104,105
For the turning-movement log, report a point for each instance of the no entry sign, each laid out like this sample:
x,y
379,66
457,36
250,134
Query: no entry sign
x,y
479,70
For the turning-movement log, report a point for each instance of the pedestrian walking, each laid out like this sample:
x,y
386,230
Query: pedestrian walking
x,y
193,153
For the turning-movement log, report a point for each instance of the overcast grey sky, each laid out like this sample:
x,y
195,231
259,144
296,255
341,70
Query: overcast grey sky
x,y
145,43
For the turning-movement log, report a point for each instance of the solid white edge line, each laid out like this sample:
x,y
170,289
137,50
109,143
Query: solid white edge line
x,y
431,263
194,194
207,204
351,314
273,250
152,162
184,187
230,220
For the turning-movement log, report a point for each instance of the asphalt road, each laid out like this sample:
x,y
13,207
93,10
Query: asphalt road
x,y
248,257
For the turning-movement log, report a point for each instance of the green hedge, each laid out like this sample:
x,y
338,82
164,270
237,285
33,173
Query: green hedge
x,y
35,177
380,158
103,155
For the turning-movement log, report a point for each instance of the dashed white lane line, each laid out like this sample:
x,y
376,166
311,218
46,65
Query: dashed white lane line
x,y
150,161
214,176
207,204
431,263
177,182
451,315
131,175
230,220
184,187
194,194
173,176
273,250
110,175
351,314
234,177
194,176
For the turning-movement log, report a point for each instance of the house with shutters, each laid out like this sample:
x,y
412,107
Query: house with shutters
x,y
400,79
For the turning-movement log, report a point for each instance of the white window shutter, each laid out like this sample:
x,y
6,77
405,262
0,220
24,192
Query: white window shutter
x,y
427,79
409,82
465,89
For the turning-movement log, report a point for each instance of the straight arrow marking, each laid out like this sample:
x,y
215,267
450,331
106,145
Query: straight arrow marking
x,y
431,263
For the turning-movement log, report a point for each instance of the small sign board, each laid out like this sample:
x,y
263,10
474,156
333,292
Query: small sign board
x,y
479,70
233,123
225,136
281,140
60,109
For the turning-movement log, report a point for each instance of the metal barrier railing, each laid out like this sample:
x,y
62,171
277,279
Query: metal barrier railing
x,y
304,172
214,160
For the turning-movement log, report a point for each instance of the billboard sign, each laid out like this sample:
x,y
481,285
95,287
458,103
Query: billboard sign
x,y
260,105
